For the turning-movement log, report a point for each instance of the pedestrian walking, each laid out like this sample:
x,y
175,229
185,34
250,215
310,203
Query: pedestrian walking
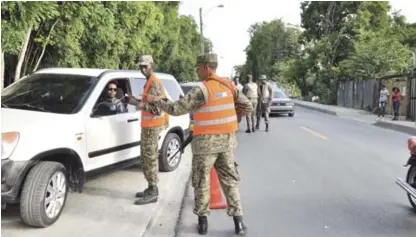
x,y
265,92
153,121
396,98
382,101
216,103
250,90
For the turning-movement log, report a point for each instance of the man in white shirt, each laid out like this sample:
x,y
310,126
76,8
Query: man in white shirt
x,y
382,101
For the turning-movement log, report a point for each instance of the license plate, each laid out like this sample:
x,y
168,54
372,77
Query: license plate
x,y
282,104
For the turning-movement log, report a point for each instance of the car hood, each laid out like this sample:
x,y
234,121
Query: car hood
x,y
25,121
286,100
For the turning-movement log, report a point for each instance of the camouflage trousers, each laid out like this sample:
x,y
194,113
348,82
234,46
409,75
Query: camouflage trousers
x,y
263,108
251,117
149,154
228,175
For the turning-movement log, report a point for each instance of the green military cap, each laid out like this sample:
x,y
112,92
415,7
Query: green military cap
x,y
263,77
145,60
206,58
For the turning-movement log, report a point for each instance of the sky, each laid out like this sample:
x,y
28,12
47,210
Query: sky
x,y
227,27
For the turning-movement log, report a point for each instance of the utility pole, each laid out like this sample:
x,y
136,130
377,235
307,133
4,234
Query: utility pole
x,y
202,31
201,26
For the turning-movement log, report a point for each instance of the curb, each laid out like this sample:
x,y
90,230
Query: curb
x,y
322,110
382,124
182,171
397,127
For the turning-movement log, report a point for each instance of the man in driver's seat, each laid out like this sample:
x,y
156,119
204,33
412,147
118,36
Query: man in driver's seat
x,y
110,96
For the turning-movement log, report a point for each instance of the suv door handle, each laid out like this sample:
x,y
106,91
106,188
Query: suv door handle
x,y
132,120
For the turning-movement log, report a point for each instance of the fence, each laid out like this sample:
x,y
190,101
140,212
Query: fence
x,y
364,94
358,94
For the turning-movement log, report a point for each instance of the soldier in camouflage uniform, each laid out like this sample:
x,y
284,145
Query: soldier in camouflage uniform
x,y
265,98
149,134
211,150
251,92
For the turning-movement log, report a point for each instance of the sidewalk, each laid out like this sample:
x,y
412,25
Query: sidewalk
x,y
105,208
408,127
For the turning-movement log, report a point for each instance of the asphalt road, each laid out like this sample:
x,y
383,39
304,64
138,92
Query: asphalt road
x,y
317,175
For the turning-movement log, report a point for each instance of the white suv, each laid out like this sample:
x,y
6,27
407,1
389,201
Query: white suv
x,y
53,132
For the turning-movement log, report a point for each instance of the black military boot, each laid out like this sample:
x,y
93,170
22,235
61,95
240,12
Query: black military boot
x,y
257,126
248,131
202,225
267,127
240,228
140,194
149,195
253,130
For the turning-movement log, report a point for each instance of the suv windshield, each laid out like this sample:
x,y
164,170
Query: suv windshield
x,y
279,94
55,93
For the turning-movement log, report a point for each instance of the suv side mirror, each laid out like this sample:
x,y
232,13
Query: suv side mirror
x,y
105,109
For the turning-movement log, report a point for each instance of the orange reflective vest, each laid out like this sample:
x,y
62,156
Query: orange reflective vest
x,y
217,115
150,120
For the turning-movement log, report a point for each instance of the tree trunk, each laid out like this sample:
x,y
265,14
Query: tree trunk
x,y
2,68
44,46
22,55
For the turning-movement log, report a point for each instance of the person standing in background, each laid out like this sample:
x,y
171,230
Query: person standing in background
x,y
265,92
382,101
250,90
396,98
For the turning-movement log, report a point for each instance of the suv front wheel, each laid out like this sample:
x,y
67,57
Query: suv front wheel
x,y
170,145
44,194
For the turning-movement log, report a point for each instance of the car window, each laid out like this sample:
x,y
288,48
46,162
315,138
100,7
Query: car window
x,y
116,96
173,88
55,93
137,86
279,94
186,89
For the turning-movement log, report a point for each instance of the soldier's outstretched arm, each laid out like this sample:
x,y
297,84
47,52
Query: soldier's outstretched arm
x,y
243,105
192,101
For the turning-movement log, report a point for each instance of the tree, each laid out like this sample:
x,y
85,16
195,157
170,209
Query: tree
x,y
376,56
97,35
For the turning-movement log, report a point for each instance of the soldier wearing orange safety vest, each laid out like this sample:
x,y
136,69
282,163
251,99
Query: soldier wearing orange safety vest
x,y
153,121
216,103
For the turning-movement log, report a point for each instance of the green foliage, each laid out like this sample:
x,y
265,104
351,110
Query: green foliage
x,y
100,35
350,40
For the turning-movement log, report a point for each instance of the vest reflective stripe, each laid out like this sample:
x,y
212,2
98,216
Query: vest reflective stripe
x,y
216,121
150,120
217,115
217,108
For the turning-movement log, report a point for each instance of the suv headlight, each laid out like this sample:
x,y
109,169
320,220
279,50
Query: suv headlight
x,y
9,142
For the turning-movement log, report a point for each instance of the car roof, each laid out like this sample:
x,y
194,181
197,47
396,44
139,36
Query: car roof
x,y
95,72
190,83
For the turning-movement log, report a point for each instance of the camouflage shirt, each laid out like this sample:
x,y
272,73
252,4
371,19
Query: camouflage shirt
x,y
156,88
195,99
